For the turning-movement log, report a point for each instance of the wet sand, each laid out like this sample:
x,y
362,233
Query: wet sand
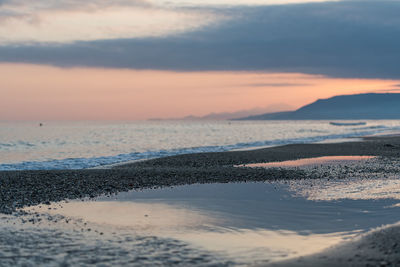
x,y
26,188
380,247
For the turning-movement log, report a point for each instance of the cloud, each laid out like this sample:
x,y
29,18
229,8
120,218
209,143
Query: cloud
x,y
275,84
383,91
31,11
65,21
339,39
73,4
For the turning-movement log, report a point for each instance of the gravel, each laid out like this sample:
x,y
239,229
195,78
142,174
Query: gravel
x,y
26,188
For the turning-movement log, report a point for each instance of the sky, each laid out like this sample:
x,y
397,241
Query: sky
x,y
141,59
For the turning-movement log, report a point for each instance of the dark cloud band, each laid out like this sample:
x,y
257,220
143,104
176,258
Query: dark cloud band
x,y
340,39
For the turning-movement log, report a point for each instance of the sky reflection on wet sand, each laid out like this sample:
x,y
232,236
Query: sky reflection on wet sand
x,y
246,222
327,160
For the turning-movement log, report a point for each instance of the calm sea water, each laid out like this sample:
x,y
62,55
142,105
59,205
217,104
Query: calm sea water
x,y
77,145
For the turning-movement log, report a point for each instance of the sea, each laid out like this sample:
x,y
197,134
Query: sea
x,y
96,144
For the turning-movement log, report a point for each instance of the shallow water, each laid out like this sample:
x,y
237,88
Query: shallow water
x,y
242,223
77,145
309,162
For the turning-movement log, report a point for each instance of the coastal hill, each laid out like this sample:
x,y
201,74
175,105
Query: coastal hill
x,y
343,107
233,115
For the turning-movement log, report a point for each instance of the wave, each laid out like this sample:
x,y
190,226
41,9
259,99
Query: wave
x,y
381,127
16,144
83,163
7,145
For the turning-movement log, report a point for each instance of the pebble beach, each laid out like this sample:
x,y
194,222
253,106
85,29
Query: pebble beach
x,y
22,189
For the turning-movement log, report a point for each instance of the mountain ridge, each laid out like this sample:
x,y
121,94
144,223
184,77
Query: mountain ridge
x,y
342,107
233,115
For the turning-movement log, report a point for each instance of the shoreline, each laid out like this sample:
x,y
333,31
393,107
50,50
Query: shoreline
x,y
378,247
110,160
32,187
20,189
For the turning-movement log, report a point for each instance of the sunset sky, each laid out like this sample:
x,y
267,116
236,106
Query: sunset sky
x,y
140,59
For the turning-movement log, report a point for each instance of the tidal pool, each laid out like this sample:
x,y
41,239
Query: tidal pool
x,y
310,162
245,223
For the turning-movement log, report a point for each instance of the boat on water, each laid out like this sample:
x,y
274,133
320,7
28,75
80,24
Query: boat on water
x,y
360,123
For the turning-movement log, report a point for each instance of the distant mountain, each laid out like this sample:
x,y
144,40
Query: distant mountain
x,y
236,114
343,107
